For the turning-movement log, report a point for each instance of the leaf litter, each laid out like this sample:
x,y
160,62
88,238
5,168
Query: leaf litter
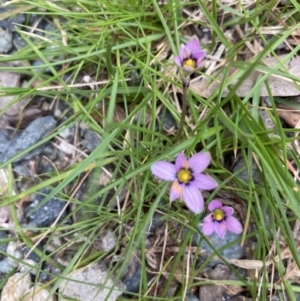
x,y
279,85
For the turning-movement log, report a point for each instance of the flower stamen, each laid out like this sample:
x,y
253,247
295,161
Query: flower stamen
x,y
189,63
184,176
218,215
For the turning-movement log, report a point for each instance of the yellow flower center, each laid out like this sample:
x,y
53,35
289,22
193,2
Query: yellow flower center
x,y
190,63
184,176
218,215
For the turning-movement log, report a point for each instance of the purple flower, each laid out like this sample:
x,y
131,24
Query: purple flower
x,y
220,219
191,56
187,178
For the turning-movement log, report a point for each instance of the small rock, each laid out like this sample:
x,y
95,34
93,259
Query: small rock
x,y
4,140
3,243
29,137
53,35
5,41
22,169
217,292
244,175
30,254
268,122
14,249
131,274
51,32
28,265
103,287
45,274
167,122
47,213
7,80
106,240
16,287
6,266
234,252
190,297
157,221
10,23
68,133
38,294
133,283
40,65
50,152
19,42
91,140
66,147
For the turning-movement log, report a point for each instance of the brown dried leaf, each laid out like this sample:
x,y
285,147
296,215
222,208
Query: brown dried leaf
x,y
292,272
279,86
249,264
290,116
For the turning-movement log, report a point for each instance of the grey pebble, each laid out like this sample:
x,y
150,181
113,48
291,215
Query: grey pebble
x,y
11,22
51,32
189,297
166,121
4,140
3,243
29,137
91,140
45,214
243,174
5,41
19,42
235,251
133,283
6,266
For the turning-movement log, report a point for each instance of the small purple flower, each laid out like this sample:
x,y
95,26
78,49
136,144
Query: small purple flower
x,y
220,219
187,178
191,56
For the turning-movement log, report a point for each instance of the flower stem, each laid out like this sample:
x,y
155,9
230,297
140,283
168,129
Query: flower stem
x,y
185,86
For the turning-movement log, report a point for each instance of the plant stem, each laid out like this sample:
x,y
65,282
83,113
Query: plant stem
x,y
185,86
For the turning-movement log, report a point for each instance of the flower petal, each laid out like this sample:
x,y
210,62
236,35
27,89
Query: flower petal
x,y
176,191
214,204
233,225
220,228
199,55
164,170
185,53
199,63
208,227
181,162
204,182
193,44
193,199
199,161
178,61
227,210
208,218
